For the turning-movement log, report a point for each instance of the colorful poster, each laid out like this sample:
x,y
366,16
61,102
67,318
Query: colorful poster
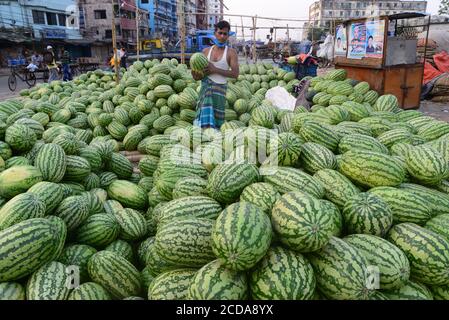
x,y
375,31
341,42
357,41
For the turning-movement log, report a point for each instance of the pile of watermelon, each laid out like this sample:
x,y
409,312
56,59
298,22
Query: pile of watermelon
x,y
346,200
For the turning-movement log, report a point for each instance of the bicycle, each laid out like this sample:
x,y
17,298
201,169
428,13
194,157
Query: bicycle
x,y
21,72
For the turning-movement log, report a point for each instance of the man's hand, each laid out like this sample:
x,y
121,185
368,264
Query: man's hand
x,y
210,69
197,75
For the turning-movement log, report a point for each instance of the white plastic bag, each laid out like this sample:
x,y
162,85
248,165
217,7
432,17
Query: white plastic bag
x,y
280,98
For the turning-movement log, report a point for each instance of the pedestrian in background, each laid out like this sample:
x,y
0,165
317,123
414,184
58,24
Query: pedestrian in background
x,y
65,61
49,59
123,57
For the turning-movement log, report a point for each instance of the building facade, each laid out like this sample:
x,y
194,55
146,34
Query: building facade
x,y
201,20
216,8
96,18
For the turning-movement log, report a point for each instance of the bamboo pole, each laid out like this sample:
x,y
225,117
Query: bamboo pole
x,y
254,40
137,34
244,44
182,29
114,44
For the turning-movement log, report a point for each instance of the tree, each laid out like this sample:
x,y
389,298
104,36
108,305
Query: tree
x,y
316,33
444,7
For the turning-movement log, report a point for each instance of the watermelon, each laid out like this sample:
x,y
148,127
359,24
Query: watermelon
x,y
186,242
48,237
227,181
367,213
261,194
11,291
20,137
286,147
301,222
49,282
215,282
51,194
122,248
438,201
132,223
427,165
18,179
198,62
410,291
439,224
387,102
171,285
316,132
315,157
116,274
241,236
89,291
189,186
295,282
78,255
99,230
77,169
128,194
338,188
340,271
371,169
427,251
393,264
20,208
73,210
361,142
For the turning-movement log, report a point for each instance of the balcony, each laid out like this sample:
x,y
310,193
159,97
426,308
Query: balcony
x,y
127,24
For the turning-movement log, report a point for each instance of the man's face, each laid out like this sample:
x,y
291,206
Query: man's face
x,y
222,35
339,43
370,42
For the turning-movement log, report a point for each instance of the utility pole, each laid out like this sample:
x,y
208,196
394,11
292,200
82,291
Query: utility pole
x,y
137,32
244,43
114,44
254,40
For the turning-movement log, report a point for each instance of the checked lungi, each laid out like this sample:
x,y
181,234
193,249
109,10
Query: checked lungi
x,y
210,110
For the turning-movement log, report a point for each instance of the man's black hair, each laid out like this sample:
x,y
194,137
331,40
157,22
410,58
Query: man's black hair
x,y
338,38
370,37
222,25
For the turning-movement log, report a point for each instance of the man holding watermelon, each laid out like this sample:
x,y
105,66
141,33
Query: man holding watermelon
x,y
221,63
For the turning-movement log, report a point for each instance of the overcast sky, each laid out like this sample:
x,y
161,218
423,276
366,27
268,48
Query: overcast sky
x,y
297,9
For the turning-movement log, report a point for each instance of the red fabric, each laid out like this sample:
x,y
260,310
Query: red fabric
x,y
430,73
442,61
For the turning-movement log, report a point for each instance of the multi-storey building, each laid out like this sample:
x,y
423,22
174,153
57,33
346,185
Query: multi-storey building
x,y
201,20
216,8
32,25
323,11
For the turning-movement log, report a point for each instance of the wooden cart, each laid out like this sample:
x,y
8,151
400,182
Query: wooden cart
x,y
392,65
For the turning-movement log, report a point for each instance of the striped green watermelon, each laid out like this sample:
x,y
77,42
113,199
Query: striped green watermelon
x,y
49,282
427,165
99,230
438,201
128,194
371,169
47,236
387,102
51,194
338,188
114,273
439,224
20,137
77,169
286,147
295,282
410,291
393,264
20,208
132,223
286,179
189,207
427,251
316,132
440,292
11,291
261,194
186,242
14,161
301,222
361,142
122,248
315,157
227,181
198,61
171,285
367,213
340,271
18,179
73,210
215,282
89,291
405,205
78,255
241,236
189,186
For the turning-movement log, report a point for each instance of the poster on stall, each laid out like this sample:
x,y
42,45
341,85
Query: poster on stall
x,y
341,42
375,38
357,41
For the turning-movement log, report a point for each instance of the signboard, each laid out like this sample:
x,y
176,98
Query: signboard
x,y
341,42
357,40
54,33
375,31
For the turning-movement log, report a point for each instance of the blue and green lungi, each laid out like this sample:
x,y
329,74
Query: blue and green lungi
x,y
210,110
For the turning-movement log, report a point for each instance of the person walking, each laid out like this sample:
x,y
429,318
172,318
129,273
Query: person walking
x,y
123,57
223,64
49,59
65,61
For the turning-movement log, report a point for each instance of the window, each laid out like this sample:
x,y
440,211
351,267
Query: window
x,y
61,19
144,1
100,14
38,17
108,34
51,19
341,13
